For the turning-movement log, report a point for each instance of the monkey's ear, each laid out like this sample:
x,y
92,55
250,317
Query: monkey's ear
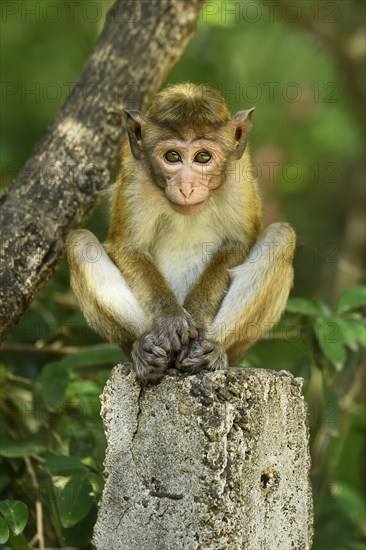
x,y
243,123
134,122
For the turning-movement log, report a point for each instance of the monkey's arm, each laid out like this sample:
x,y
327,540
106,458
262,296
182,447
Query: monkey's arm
x,y
203,302
253,303
152,291
133,307
206,295
147,282
171,326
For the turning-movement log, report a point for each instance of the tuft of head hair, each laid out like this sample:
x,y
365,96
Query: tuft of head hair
x,y
189,106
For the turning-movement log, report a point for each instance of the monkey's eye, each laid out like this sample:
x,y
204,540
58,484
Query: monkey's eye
x,y
202,157
172,156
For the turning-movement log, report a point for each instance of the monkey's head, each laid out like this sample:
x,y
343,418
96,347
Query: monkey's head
x,y
187,141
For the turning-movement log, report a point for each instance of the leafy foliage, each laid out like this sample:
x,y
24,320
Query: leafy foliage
x,y
59,430
13,518
54,368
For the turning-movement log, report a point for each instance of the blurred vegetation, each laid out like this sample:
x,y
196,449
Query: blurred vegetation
x,y
300,65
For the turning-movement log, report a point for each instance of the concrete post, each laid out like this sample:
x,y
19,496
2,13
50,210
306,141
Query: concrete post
x,y
215,461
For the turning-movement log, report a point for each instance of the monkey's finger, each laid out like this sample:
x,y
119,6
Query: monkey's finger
x,y
150,359
194,361
183,354
148,343
193,332
207,347
155,360
157,350
175,342
183,336
179,361
202,349
163,342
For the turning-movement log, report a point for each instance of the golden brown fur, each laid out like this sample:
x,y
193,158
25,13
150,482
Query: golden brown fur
x,y
180,234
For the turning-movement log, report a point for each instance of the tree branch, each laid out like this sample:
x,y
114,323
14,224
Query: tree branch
x,y
64,178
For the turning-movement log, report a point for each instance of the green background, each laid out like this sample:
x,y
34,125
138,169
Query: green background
x,y
301,67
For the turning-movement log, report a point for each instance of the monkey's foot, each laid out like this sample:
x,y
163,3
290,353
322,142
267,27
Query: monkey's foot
x,y
150,360
201,354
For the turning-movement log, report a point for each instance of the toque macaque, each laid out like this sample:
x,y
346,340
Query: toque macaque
x,y
187,277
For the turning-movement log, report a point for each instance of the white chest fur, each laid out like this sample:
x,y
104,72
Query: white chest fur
x,y
184,250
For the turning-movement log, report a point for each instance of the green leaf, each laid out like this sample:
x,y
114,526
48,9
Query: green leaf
x,y
12,449
64,465
15,513
353,333
303,306
331,341
90,358
75,501
4,530
352,298
18,542
84,388
325,311
54,382
352,502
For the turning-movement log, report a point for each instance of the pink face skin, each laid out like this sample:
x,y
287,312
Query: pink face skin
x,y
187,181
174,158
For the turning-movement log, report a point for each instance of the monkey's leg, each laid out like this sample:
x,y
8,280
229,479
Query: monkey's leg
x,y
102,292
258,292
109,305
254,302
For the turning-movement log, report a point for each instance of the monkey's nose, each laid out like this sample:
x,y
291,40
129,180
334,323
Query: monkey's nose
x,y
186,192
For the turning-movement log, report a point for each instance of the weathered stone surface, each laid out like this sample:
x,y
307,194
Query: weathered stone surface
x,y
212,462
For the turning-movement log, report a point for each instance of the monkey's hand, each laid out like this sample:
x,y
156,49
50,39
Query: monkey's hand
x,y
153,352
150,360
201,354
173,332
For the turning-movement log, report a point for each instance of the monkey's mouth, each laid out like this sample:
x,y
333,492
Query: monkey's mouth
x,y
188,209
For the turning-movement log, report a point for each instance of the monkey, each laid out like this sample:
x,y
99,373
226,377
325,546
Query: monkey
x,y
187,277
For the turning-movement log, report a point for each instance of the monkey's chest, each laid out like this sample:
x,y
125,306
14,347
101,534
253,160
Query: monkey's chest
x,y
183,263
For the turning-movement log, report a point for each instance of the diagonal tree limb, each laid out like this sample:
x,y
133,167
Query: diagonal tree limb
x,y
70,167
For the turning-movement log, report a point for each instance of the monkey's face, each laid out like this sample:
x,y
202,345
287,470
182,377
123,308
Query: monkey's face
x,y
188,170
188,160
